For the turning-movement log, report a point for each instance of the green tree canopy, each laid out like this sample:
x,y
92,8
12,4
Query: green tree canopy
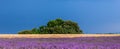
x,y
57,26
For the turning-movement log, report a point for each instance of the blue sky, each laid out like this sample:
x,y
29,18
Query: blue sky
x,y
93,16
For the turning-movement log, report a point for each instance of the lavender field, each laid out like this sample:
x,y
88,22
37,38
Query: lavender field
x,y
61,43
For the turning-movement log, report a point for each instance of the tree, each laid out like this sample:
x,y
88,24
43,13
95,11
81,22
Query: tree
x,y
25,32
35,31
56,22
57,26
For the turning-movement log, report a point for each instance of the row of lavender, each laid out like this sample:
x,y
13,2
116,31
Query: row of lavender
x,y
61,43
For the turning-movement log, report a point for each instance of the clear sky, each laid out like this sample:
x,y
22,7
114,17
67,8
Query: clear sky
x,y
93,16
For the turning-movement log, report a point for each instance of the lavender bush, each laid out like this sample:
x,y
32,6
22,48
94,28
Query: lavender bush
x,y
61,43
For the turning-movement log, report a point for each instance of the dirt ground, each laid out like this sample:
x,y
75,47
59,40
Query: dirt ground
x,y
54,35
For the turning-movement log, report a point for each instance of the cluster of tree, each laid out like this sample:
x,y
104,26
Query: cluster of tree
x,y
57,26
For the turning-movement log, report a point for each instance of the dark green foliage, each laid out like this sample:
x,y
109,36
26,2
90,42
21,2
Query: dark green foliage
x,y
35,31
56,22
57,26
25,32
